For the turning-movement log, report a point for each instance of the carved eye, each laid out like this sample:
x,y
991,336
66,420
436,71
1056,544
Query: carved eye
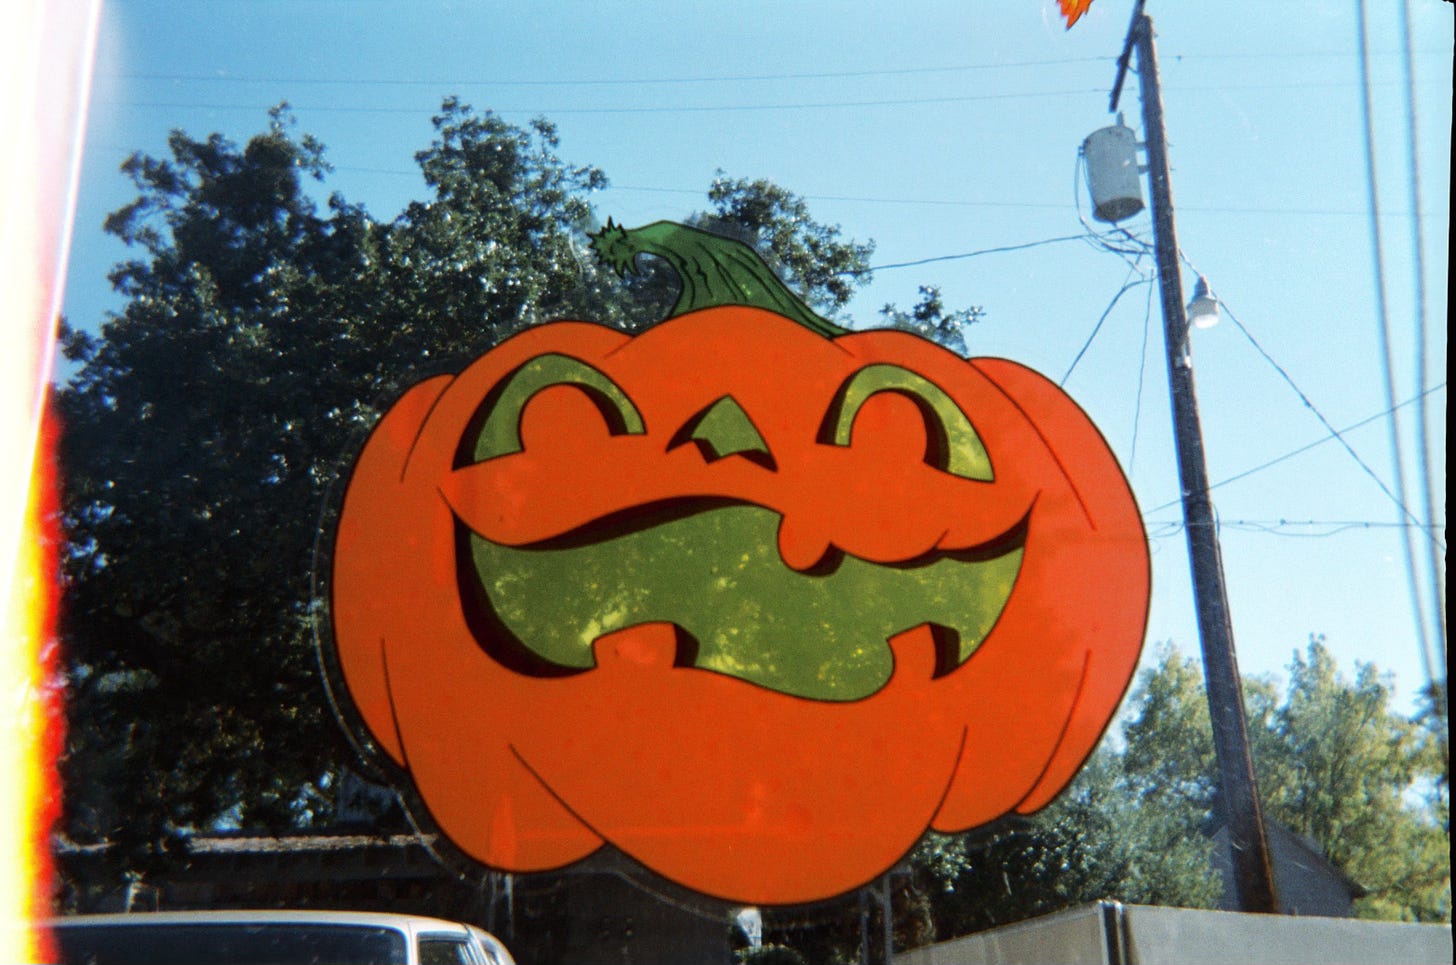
x,y
496,429
952,443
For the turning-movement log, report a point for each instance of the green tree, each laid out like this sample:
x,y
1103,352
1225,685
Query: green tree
x,y
211,421
1334,762
1367,784
1101,839
812,258
930,319
193,475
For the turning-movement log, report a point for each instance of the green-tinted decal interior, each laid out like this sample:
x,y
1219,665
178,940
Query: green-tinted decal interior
x,y
500,434
954,444
723,429
717,575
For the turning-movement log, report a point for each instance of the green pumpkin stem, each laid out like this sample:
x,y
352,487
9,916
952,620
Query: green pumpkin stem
x,y
713,270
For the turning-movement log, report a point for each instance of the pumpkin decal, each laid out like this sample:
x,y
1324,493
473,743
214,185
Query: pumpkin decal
x,y
753,599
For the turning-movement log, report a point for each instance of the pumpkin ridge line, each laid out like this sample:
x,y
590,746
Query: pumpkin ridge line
x,y
420,429
521,759
950,781
1046,444
393,710
1062,736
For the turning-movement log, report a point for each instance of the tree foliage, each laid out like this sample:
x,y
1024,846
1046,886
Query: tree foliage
x,y
1103,838
202,430
930,319
266,326
812,259
1335,763
1367,784
211,420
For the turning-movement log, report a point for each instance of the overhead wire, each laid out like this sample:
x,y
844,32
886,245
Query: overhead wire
x,y
722,108
1305,448
1418,250
1090,236
1127,286
1081,178
938,202
955,202
608,81
714,108
1428,661
855,199
1278,527
356,81
658,109
1137,408
999,249
1410,521
1309,404
1102,240
1133,246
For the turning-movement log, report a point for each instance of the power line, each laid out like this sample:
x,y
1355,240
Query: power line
x,y
953,202
857,199
1429,662
219,78
1081,177
1418,248
732,108
1334,434
1272,55
1101,240
1127,286
929,202
967,254
938,202
1309,404
1280,527
1142,368
659,109
602,81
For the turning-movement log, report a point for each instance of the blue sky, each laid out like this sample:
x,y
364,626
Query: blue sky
x,y
938,129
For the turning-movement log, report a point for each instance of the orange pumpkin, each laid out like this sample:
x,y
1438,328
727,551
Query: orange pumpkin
x,y
754,605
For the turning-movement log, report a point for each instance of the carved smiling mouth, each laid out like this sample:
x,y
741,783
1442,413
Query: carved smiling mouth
x,y
712,570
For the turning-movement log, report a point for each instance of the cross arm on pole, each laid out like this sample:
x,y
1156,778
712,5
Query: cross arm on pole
x,y
1123,61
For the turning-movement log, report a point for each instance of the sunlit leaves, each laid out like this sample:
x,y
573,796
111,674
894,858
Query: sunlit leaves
x,y
1335,763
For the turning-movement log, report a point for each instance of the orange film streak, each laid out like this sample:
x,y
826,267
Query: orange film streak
x,y
40,717
46,57
1073,10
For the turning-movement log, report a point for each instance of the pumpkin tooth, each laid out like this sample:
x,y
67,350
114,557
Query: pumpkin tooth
x,y
918,654
800,547
641,646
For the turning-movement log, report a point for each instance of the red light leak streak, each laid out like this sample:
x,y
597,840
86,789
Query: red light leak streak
x,y
43,537
47,52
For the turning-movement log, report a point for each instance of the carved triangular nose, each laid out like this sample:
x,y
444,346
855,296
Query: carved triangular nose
x,y
723,429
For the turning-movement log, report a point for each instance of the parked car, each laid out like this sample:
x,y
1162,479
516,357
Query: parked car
x,y
272,938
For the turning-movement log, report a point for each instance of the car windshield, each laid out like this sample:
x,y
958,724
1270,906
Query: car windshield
x,y
267,943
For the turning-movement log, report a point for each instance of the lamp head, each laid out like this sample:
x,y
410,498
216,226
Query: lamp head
x,y
1203,310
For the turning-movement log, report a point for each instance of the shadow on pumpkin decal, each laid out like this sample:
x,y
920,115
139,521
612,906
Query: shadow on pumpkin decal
x,y
753,599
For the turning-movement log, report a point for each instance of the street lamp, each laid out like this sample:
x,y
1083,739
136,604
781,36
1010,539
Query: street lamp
x,y
1203,310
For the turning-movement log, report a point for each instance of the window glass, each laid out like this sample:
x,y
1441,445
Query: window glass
x,y
231,944
445,950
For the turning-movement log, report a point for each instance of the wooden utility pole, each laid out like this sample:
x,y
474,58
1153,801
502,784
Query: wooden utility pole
x,y
1253,871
